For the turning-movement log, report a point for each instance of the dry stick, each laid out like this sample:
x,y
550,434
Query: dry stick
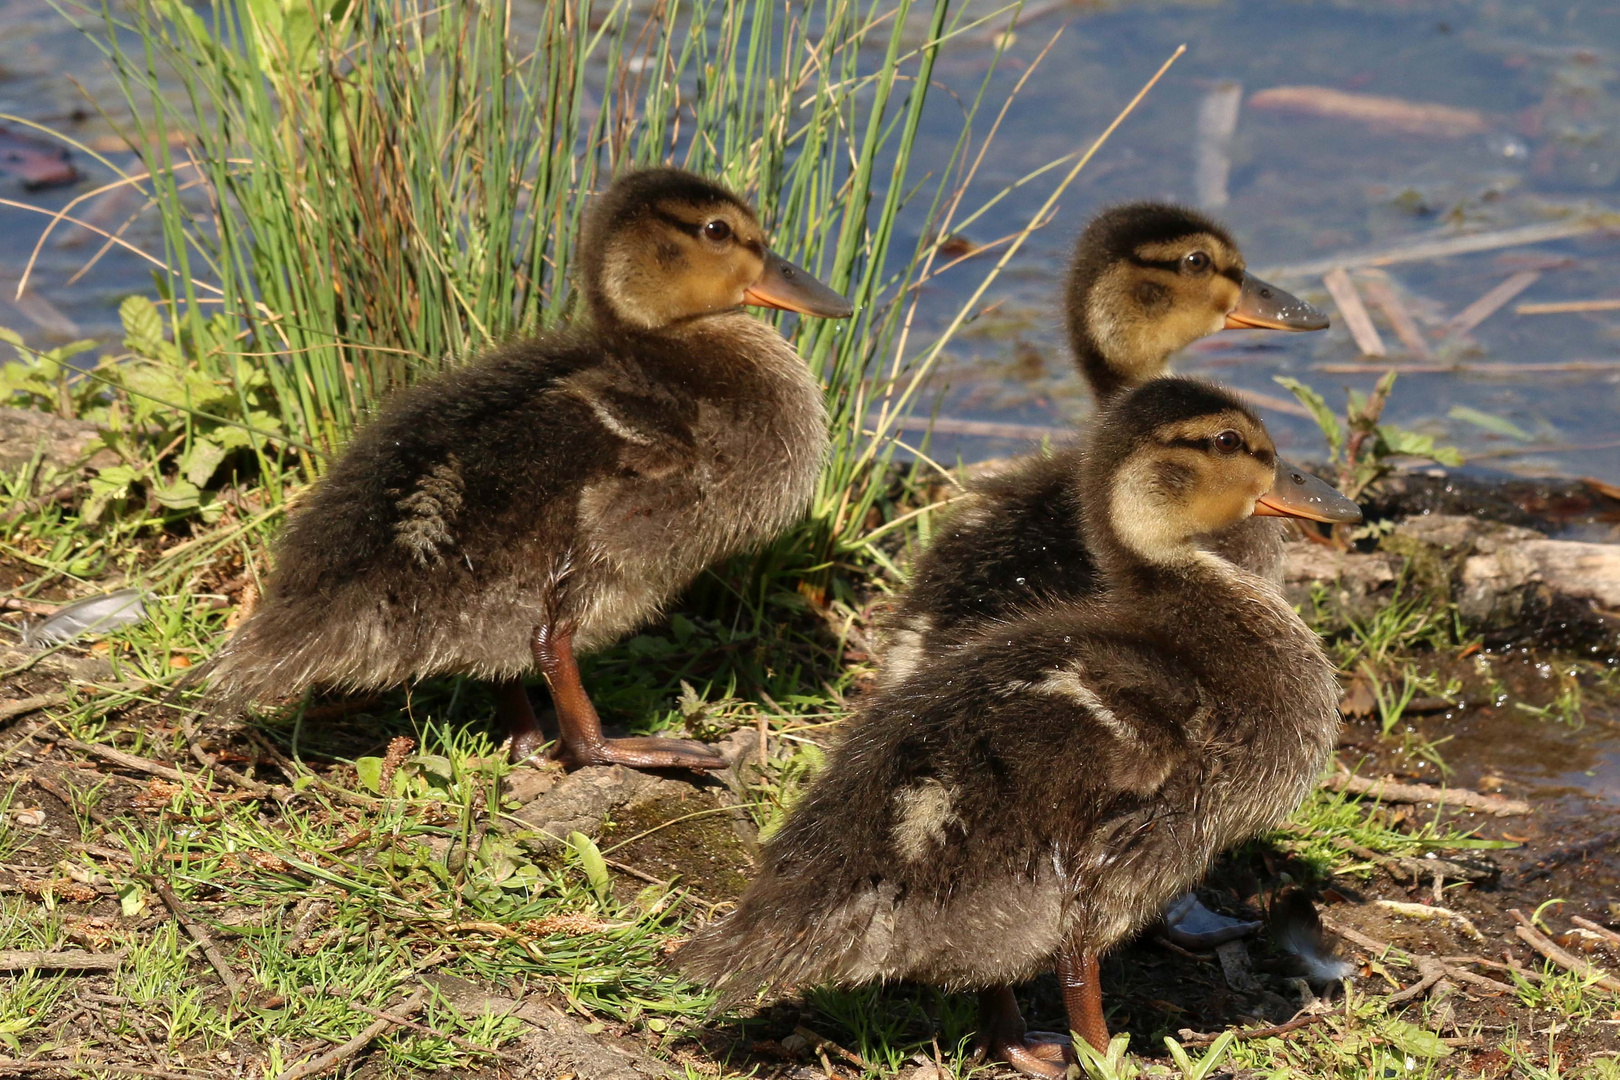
x,y
821,1042
199,933
212,762
1400,320
338,1055
1567,307
1544,865
465,1044
1259,1033
988,429
1381,947
1424,250
1522,972
128,761
1487,305
1596,928
32,607
13,709
65,960
1569,962
1354,311
13,1068
61,793
1432,971
1391,866
1456,798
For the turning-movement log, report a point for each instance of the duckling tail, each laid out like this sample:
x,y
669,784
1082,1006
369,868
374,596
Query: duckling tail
x,y
789,932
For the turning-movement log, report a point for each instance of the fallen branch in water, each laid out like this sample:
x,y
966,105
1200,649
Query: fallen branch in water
x,y
1461,798
1544,945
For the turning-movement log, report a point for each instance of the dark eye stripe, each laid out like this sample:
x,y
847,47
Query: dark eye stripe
x,y
690,228
1174,266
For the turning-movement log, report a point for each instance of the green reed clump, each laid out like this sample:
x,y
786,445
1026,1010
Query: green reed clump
x,y
374,189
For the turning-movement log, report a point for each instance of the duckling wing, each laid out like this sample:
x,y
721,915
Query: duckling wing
x,y
652,424
955,828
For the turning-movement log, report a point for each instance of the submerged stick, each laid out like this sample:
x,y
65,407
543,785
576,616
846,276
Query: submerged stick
x,y
1379,290
1217,122
1567,307
1444,247
1354,311
1493,300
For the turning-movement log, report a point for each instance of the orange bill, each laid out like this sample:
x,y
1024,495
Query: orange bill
x,y
1296,493
1263,306
783,285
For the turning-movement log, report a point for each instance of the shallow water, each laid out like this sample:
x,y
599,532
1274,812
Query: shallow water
x,y
1304,189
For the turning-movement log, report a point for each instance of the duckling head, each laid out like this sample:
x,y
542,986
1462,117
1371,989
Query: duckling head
x,y
661,246
1177,459
1148,279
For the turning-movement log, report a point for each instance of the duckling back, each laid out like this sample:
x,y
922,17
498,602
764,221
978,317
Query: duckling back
x,y
578,478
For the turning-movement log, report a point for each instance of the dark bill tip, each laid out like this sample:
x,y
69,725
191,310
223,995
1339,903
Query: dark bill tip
x,y
1296,493
1263,306
783,285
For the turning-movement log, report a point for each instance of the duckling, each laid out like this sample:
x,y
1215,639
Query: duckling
x,y
1037,793
1146,280
551,496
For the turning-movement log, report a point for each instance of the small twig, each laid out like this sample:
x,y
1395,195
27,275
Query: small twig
x,y
1379,290
1432,971
32,607
63,795
1382,947
128,761
1569,962
13,1068
1457,798
821,1042
1532,976
1391,866
199,933
64,960
1259,1033
1596,928
12,709
1432,912
465,1044
339,1054
212,762
287,765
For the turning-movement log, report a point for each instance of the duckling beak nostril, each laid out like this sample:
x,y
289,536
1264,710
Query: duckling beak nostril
x,y
1263,306
1304,496
783,285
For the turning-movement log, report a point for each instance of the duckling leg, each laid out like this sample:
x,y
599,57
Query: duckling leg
x,y
514,709
1080,977
581,742
1002,1035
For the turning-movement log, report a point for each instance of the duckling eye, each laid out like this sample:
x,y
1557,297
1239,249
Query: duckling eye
x,y
717,230
1197,262
1228,442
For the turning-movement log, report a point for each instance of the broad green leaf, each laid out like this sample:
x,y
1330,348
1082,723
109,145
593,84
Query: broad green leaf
x,y
595,867
1497,425
201,462
1411,1039
370,770
131,900
1318,408
181,494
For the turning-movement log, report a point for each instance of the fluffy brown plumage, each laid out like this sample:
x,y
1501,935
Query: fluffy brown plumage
x,y
1146,280
1044,788
564,487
